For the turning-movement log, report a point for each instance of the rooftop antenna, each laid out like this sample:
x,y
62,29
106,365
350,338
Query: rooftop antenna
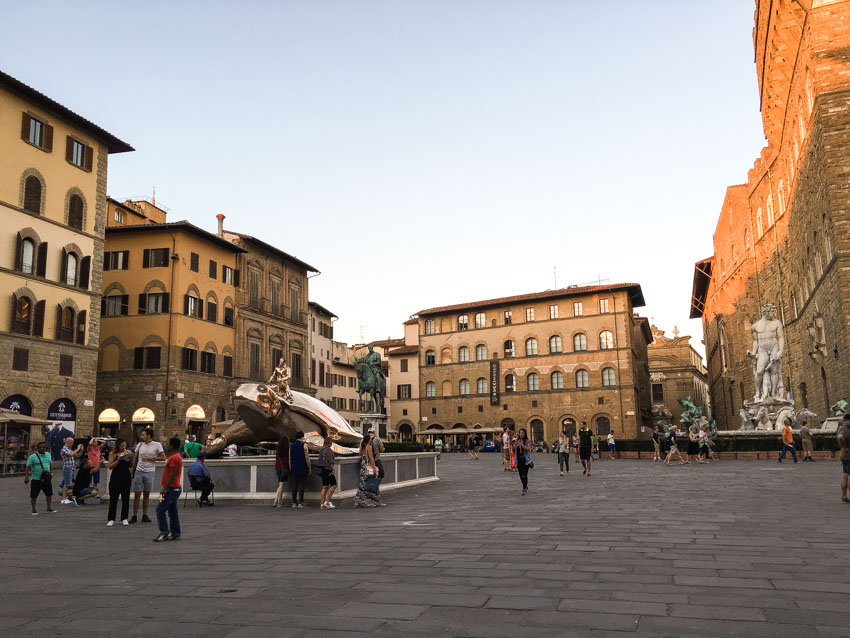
x,y
555,275
153,199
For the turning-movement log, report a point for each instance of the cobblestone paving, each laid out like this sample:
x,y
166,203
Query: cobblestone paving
x,y
737,548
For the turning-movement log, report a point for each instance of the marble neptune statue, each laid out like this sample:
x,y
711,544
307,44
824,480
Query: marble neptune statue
x,y
768,347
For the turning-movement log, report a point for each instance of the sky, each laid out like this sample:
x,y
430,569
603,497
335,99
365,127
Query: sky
x,y
421,154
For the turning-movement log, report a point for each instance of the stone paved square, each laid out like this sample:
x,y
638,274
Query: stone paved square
x,y
736,548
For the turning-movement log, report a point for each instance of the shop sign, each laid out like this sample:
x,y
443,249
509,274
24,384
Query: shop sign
x,y
17,403
495,379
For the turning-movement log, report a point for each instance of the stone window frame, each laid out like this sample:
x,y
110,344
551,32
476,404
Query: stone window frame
x,y
556,335
112,288
536,349
586,371
505,382
446,355
430,389
72,249
33,172
211,296
22,292
477,346
67,208
478,385
432,352
612,340
528,378
67,303
552,377
579,333
608,366
460,387
463,354
29,233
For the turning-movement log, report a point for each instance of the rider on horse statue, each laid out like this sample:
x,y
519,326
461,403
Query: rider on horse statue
x,y
375,384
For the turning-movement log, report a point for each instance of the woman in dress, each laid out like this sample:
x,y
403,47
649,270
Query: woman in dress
x,y
120,479
693,444
704,453
281,468
513,451
363,497
299,467
523,456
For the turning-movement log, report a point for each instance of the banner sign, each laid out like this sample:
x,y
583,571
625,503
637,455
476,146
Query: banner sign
x,y
495,381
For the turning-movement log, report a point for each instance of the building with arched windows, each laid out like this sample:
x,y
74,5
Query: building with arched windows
x,y
52,205
676,372
790,216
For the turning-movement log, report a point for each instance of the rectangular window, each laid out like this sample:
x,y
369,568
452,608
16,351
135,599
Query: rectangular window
x,y
227,275
297,372
227,367
277,355
480,320
213,269
276,298
147,358
430,327
155,303
577,309
116,260
404,391
403,365
529,314
20,359
194,260
603,305
66,365
553,312
36,132
192,305
295,306
115,305
78,153
228,316
254,289
119,215
155,257
208,362
254,361
508,317
657,393
212,311
463,322
190,359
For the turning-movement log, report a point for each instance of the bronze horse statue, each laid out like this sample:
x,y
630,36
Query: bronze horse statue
x,y
375,385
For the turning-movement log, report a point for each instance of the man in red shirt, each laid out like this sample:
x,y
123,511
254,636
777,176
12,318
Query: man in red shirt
x,y
170,494
787,442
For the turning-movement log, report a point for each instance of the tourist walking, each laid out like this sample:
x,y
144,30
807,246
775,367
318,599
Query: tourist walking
x,y
505,438
147,453
563,449
585,447
377,450
281,468
787,442
513,451
656,443
367,489
200,478
704,452
523,458
693,443
69,468
844,444
673,446
806,441
120,478
299,467
96,460
326,471
167,512
612,446
37,474
575,445
470,447
595,440
438,448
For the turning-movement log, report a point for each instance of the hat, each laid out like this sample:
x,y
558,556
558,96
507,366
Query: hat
x,y
202,454
370,430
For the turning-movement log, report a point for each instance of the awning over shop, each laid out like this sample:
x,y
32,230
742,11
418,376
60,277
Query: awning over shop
x,y
10,416
109,415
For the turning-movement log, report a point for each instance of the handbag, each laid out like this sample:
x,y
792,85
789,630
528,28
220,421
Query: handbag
x,y
371,484
45,474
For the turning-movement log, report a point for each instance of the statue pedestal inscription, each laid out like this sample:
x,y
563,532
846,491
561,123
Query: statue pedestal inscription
x,y
377,421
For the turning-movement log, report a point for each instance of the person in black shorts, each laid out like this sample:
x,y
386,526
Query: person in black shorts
x,y
38,467
585,447
326,470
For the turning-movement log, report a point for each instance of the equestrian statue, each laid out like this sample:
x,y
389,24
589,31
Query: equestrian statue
x,y
371,380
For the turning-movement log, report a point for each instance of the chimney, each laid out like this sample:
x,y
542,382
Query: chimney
x,y
220,219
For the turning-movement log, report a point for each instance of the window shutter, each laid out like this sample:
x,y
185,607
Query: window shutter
x,y
89,157
236,277
185,359
143,302
125,305
107,261
38,320
58,335
186,305
81,327
103,306
63,275
48,138
138,358
153,358
85,269
126,259
14,313
165,297
69,149
146,258
41,264
25,127
19,253
200,309
212,312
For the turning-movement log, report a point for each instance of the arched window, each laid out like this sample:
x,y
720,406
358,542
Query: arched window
x,y
747,242
759,225
734,254
533,381
430,327
480,320
28,256
75,212
430,389
770,217
723,360
555,345
481,385
510,383
463,322
463,354
480,352
509,349
430,358
464,386
66,325
608,377
606,340
32,195
582,380
23,315
557,380
603,426
71,269
781,193
530,346
580,342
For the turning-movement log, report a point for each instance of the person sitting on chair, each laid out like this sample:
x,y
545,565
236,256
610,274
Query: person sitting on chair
x,y
200,478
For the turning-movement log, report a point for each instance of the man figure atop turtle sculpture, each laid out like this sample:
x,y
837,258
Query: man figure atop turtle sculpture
x,y
768,347
279,382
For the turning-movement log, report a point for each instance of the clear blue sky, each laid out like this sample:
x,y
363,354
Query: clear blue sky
x,y
422,153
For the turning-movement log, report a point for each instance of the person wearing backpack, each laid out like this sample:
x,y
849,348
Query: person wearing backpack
x,y
38,467
672,442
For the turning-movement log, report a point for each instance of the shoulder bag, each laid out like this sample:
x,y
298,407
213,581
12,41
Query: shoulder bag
x,y
371,484
45,474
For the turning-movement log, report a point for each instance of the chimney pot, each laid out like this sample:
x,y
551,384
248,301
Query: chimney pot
x,y
220,219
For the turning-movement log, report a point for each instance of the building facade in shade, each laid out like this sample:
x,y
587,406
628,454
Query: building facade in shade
x,y
53,166
781,237
541,361
168,340
403,384
271,298
321,351
344,385
676,371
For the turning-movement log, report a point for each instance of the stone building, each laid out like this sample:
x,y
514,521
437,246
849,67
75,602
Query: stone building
x,y
676,371
167,342
543,361
782,237
403,383
344,385
271,300
53,166
321,351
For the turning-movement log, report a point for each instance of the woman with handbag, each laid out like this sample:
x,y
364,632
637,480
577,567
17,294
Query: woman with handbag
x,y
367,491
281,468
523,458
120,479
38,466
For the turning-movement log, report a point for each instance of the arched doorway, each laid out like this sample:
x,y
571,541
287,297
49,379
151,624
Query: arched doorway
x,y
568,425
509,423
142,418
536,426
603,426
405,432
196,419
108,422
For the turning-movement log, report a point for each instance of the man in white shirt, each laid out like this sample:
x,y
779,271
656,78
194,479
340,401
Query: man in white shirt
x,y
612,447
506,448
148,452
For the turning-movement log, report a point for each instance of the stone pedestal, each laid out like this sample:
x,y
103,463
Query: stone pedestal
x,y
767,414
377,421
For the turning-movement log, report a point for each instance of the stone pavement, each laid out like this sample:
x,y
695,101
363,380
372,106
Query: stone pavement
x,y
737,548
